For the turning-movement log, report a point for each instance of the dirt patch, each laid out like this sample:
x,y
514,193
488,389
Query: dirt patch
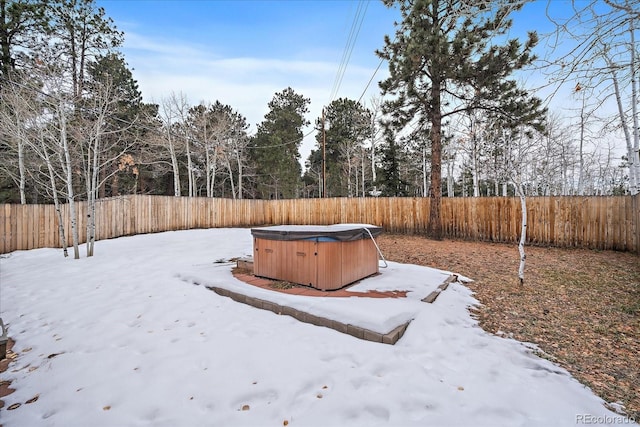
x,y
5,386
581,307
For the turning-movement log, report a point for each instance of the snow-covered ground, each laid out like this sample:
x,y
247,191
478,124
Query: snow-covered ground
x,y
126,338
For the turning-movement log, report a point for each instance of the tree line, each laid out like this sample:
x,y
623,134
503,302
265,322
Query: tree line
x,y
451,119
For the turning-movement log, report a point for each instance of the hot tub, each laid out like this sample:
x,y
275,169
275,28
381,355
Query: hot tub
x,y
326,257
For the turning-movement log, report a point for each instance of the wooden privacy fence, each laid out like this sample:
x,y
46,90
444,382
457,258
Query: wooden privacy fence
x,y
590,222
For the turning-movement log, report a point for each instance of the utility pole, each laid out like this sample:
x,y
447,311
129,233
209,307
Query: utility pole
x,y
324,158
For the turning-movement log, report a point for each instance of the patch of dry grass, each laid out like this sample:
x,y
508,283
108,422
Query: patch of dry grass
x,y
581,307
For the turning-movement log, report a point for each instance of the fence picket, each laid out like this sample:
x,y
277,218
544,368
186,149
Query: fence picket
x,y
590,222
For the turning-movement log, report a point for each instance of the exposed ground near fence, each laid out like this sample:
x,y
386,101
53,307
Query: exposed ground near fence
x,y
589,222
581,307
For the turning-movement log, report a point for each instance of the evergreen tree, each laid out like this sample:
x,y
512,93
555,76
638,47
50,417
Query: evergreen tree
x,y
443,61
347,125
275,147
20,23
80,33
123,134
390,181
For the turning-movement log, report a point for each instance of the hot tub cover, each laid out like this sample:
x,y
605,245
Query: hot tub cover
x,y
336,232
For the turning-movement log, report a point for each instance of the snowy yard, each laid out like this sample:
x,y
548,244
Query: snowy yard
x,y
127,339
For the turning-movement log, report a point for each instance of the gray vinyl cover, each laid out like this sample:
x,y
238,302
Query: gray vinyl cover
x,y
337,232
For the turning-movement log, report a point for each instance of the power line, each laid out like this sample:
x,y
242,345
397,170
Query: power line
x,y
356,25
370,80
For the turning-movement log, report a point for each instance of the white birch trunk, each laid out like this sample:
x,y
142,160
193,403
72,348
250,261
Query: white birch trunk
x,y
21,168
212,168
172,110
581,151
239,164
230,171
373,160
631,153
68,169
425,188
474,168
349,168
362,171
192,190
56,201
450,166
93,192
634,158
523,232
356,177
175,167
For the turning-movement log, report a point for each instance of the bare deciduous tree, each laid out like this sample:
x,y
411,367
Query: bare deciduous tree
x,y
603,59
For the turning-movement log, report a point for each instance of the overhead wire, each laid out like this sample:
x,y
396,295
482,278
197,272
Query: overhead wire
x,y
370,80
356,25
354,31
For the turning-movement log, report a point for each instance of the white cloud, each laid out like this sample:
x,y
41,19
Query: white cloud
x,y
245,83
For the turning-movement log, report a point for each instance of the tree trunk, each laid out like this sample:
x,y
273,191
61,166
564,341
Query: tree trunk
x,y
523,232
174,165
192,191
581,151
56,201
21,168
634,159
434,227
349,187
211,171
424,172
239,164
68,167
362,171
233,186
5,45
631,153
474,160
91,196
451,163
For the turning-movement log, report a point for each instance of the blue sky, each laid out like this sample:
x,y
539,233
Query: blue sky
x,y
242,52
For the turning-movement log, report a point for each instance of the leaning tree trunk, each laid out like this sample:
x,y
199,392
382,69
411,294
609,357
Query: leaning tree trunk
x,y
230,170
56,201
68,168
239,164
174,165
523,232
632,154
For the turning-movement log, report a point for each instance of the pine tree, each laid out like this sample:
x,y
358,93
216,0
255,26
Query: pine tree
x,y
21,21
275,147
389,179
122,171
347,125
81,31
443,61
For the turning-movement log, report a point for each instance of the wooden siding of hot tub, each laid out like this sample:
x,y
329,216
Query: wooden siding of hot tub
x,y
322,265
